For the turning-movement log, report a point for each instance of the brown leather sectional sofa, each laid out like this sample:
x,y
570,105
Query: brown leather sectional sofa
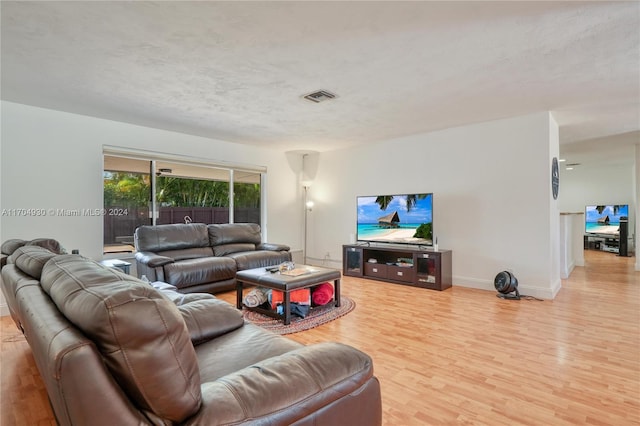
x,y
114,350
8,247
203,258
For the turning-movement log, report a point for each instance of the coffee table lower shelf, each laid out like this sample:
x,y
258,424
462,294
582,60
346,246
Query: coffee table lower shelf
x,y
286,284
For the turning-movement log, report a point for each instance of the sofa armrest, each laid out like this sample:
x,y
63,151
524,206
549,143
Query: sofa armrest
x,y
303,383
208,318
205,315
152,260
272,247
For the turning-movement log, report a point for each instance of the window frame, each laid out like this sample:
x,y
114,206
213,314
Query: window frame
x,y
154,157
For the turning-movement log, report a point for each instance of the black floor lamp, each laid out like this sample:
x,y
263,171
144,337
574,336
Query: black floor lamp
x,y
308,206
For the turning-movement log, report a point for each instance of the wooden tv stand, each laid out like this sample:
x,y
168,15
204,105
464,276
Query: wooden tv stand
x,y
424,268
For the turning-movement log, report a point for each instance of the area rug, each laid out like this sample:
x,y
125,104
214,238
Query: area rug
x,y
317,316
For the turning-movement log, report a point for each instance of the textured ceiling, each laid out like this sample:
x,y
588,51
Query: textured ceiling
x,y
236,70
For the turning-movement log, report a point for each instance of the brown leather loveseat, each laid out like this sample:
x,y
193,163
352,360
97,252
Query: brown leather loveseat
x,y
114,350
203,258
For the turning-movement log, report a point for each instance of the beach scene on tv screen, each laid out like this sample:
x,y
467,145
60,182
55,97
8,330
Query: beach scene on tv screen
x,y
604,219
404,219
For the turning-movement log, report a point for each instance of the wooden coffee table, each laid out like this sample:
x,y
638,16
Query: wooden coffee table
x,y
313,275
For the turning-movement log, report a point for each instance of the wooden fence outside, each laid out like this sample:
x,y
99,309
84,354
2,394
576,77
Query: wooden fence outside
x,y
119,228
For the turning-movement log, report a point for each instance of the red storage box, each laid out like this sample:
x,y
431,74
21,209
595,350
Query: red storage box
x,y
299,296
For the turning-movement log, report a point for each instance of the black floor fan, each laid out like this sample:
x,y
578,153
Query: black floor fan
x,y
506,284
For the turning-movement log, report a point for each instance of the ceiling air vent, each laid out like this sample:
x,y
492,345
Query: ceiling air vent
x,y
319,96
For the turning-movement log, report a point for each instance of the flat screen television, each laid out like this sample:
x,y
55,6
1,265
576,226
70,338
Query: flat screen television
x,y
604,219
398,219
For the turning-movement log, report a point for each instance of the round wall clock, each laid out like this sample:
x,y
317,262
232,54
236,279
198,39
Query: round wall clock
x,y
555,178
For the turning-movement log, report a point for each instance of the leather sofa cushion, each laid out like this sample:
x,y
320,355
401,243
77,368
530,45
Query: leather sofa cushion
x,y
232,233
189,253
259,259
238,349
293,387
190,272
225,249
31,259
171,237
153,360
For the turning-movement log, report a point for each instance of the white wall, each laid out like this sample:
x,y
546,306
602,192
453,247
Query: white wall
x,y
589,185
636,203
554,207
53,160
492,197
491,185
571,242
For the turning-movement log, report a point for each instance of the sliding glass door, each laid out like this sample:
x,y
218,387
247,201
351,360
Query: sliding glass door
x,y
246,197
127,183
148,191
187,193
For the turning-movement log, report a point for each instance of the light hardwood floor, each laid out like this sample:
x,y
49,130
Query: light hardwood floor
x,y
461,356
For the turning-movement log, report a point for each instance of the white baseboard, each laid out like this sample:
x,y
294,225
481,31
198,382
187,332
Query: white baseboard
x,y
326,263
566,274
540,293
476,283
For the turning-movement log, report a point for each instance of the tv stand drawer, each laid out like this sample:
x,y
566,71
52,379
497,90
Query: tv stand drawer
x,y
378,270
401,273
